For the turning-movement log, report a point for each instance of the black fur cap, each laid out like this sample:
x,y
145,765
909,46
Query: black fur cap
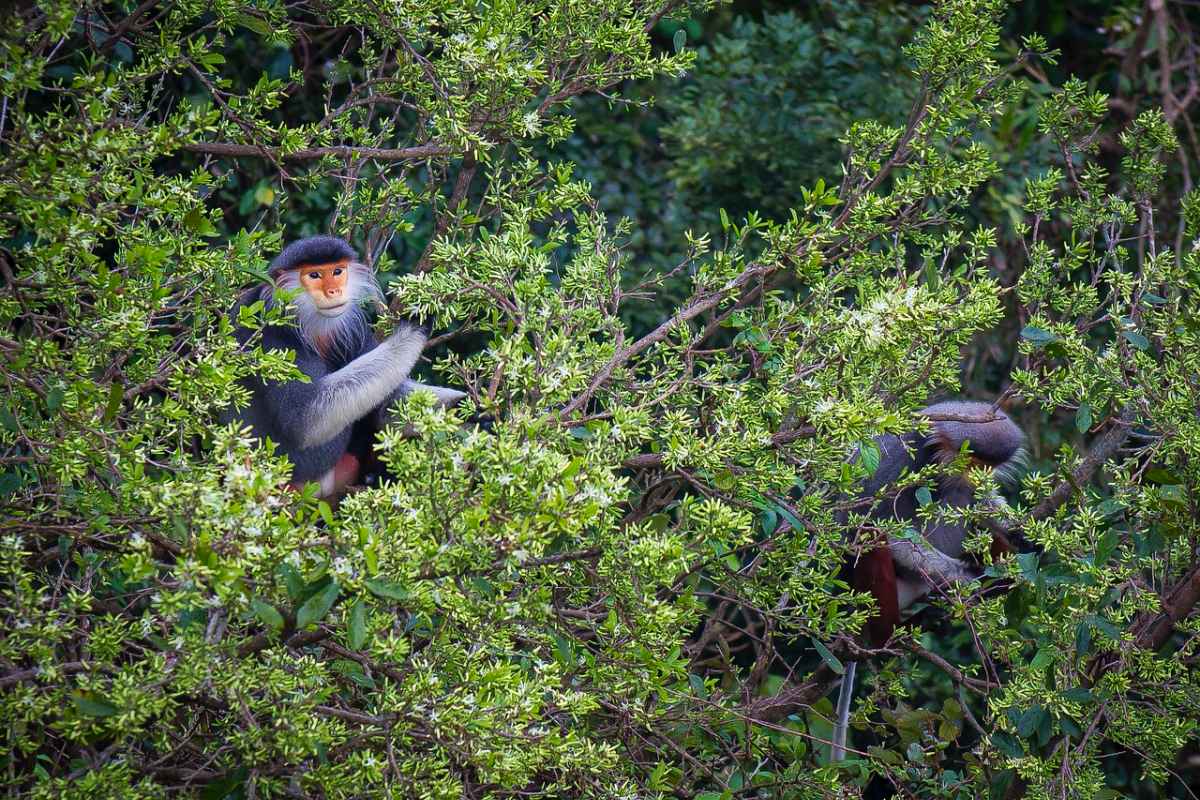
x,y
313,250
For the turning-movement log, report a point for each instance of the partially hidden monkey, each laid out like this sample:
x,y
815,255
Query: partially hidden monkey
x,y
352,377
902,571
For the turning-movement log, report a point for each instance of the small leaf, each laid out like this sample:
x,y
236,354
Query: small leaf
x,y
869,453
1007,744
924,496
1083,638
1083,418
316,607
116,393
1028,562
267,614
94,705
253,23
1106,546
1044,656
679,40
1037,336
386,589
1078,695
829,658
293,581
1002,781
325,511
197,223
1161,476
1030,721
357,633
1174,494
768,521
1136,339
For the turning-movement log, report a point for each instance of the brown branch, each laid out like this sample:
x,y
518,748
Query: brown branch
x,y
461,186
712,300
263,640
1152,631
557,558
127,23
233,150
1102,449
792,698
66,668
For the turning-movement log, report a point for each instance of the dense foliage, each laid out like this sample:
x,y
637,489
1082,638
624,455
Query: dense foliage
x,y
631,585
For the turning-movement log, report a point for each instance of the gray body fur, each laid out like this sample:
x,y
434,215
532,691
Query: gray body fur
x,y
311,422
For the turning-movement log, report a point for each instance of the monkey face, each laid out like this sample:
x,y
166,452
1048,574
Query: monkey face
x,y
328,285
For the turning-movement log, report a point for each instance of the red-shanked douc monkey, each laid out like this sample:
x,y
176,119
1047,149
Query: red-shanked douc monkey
x,y
902,571
352,377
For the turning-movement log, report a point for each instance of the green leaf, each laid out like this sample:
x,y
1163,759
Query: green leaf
x,y
924,496
1083,639
1043,657
386,589
93,705
1028,563
292,580
1083,418
1161,476
116,394
679,40
1030,721
1106,546
1078,695
1007,744
316,607
267,614
869,454
829,658
197,223
1136,339
768,521
253,23
357,633
1037,336
1002,781
325,511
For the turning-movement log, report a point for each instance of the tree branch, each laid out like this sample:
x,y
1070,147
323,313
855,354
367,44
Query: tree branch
x,y
233,150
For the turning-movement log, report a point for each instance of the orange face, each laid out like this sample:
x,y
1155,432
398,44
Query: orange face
x,y
328,285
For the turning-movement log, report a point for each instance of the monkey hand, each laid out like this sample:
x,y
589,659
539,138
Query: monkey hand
x,y
933,565
407,337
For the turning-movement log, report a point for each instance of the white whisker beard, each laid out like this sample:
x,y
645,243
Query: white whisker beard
x,y
338,335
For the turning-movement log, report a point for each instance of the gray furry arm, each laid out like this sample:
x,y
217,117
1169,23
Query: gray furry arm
x,y
926,560
349,394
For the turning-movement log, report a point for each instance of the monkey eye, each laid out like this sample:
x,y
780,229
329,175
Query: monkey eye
x,y
337,271
316,276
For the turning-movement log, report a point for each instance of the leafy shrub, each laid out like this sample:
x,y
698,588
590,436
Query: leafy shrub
x,y
630,587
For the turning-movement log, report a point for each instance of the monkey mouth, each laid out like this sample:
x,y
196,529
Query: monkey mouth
x,y
332,311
